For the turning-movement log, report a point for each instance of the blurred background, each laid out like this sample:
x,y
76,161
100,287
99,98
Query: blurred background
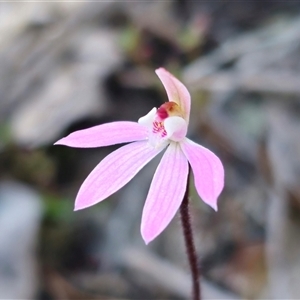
x,y
66,66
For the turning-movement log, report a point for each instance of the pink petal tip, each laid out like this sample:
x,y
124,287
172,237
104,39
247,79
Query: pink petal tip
x,y
208,172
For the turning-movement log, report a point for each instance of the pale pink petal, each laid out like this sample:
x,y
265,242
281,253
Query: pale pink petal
x,y
207,169
105,135
113,172
166,193
176,91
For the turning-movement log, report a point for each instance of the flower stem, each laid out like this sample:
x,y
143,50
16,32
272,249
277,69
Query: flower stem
x,y
189,243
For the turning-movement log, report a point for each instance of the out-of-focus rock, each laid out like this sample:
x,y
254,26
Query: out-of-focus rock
x,y
283,224
73,91
166,276
20,215
248,54
54,60
154,16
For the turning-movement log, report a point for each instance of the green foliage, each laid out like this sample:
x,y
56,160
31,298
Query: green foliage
x,y
58,209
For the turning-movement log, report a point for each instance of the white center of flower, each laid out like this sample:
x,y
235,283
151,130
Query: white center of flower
x,y
165,124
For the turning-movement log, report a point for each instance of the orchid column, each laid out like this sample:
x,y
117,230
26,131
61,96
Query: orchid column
x,y
162,128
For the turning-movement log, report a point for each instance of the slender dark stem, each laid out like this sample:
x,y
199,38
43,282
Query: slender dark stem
x,y
189,243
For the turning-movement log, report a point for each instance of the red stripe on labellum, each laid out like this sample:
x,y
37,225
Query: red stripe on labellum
x,y
158,127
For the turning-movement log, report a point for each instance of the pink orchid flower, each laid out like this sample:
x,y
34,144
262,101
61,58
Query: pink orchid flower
x,y
161,128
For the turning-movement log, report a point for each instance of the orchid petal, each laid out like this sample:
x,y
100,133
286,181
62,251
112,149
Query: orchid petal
x,y
166,193
105,135
113,172
176,128
207,169
176,91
